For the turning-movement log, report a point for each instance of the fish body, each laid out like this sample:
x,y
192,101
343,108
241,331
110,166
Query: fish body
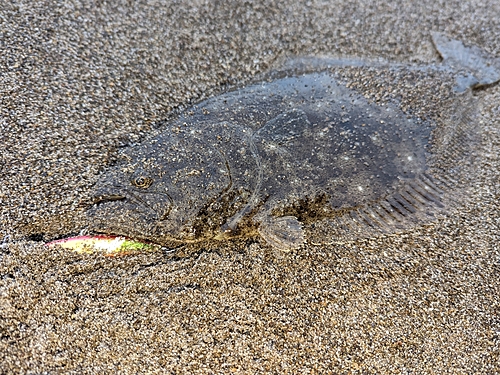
x,y
271,157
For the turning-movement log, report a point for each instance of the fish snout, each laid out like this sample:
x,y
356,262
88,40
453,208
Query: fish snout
x,y
145,204
101,198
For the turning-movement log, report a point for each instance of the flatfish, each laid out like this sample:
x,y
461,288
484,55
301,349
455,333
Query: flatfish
x,y
297,150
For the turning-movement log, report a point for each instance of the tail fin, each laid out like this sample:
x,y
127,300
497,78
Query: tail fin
x,y
478,67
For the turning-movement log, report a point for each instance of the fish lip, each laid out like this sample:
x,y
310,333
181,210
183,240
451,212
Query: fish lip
x,y
108,198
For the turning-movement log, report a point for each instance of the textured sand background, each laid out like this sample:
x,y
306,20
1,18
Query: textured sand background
x,y
79,80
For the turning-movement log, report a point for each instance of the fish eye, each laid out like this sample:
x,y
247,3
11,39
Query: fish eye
x,y
142,182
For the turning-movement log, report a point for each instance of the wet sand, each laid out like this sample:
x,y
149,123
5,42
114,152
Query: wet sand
x,y
80,81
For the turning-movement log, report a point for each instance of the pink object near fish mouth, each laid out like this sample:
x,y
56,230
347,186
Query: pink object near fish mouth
x,y
107,245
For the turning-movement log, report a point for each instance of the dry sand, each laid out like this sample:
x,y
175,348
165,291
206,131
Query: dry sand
x,y
80,79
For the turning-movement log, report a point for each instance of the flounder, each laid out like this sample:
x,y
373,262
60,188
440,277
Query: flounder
x,y
283,154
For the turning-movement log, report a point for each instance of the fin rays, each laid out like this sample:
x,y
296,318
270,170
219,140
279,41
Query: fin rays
x,y
417,201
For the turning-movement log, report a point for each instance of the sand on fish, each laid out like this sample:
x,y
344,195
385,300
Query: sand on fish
x,y
81,80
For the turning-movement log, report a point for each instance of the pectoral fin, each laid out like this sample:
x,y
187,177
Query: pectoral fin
x,y
284,233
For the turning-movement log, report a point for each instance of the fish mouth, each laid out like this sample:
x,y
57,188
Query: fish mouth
x,y
151,206
134,214
107,198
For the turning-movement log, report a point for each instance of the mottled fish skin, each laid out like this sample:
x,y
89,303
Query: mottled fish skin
x,y
267,159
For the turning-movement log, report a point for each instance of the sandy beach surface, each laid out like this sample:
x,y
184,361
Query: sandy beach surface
x,y
80,80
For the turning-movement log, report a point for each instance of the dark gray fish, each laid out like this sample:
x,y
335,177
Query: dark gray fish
x,y
273,157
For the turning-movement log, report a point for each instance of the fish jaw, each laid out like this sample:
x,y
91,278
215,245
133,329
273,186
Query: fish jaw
x,y
122,211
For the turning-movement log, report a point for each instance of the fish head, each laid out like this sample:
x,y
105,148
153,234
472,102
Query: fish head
x,y
158,191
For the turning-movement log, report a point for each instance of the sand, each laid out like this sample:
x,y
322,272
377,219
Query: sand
x,y
81,80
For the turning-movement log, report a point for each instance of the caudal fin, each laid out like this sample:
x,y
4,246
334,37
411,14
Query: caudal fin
x,y
478,68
